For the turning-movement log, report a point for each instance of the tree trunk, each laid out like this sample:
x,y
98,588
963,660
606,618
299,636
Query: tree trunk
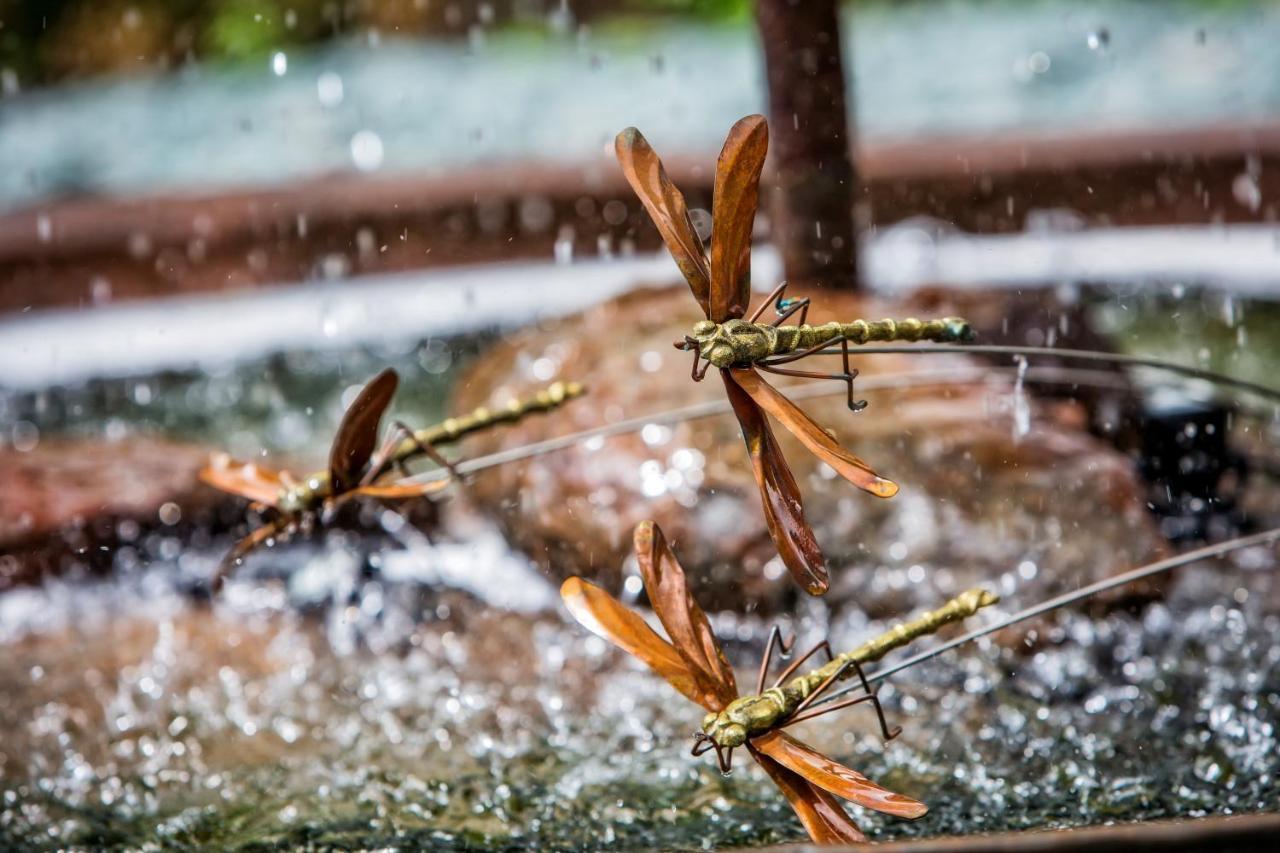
x,y
809,128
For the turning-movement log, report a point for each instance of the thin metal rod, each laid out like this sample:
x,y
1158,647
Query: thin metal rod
x,y
1264,538
1080,354
902,379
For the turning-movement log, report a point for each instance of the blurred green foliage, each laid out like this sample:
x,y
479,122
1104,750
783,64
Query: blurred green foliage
x,y
47,40
243,28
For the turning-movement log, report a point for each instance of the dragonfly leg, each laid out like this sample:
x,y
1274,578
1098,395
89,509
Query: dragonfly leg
x,y
868,696
242,549
789,307
699,375
426,449
702,743
783,648
846,377
400,434
784,307
797,356
786,673
775,294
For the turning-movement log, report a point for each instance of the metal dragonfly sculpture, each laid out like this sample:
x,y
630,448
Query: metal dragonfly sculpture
x,y
741,348
693,663
355,470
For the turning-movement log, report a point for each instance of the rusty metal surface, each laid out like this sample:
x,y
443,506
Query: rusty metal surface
x,y
1243,833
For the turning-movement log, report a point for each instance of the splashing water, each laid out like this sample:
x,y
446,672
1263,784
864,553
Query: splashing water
x,y
397,714
1021,405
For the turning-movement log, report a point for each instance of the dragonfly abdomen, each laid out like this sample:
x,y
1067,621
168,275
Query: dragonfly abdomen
x,y
961,607
453,429
791,339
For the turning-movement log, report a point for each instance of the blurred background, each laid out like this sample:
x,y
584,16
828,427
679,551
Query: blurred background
x,y
218,218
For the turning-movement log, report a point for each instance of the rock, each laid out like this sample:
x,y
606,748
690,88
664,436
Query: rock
x,y
982,501
68,503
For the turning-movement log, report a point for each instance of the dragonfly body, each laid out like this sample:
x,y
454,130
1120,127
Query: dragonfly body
x,y
748,716
311,493
693,663
739,343
355,469
731,339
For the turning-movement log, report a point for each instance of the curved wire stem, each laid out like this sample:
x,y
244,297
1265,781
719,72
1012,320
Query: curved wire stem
x,y
1267,537
1077,354
904,379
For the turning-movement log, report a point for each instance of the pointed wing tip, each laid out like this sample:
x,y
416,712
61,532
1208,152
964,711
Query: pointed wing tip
x,y
644,536
574,587
882,488
817,587
627,139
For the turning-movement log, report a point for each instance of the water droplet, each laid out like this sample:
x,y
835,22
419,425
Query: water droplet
x,y
279,64
1246,191
1021,407
25,436
366,150
564,245
329,89
170,514
1098,39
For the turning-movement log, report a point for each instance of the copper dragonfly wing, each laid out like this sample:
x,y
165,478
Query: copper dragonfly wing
x,y
831,776
358,431
733,215
680,614
779,494
398,491
246,479
815,438
606,617
820,813
667,209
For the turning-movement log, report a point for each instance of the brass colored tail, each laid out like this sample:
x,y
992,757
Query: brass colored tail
x,y
961,607
941,330
453,429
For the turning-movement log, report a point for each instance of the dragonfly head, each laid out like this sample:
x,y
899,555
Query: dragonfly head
x,y
729,343
721,729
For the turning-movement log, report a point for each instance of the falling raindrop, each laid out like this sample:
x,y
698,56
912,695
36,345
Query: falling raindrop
x,y
1021,408
1098,39
366,150
564,245
1245,190
279,63
329,89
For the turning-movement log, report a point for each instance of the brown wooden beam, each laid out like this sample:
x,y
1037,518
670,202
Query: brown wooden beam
x,y
813,178
82,251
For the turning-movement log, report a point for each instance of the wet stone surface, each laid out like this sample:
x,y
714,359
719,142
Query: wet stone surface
x,y
71,504
995,483
345,709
